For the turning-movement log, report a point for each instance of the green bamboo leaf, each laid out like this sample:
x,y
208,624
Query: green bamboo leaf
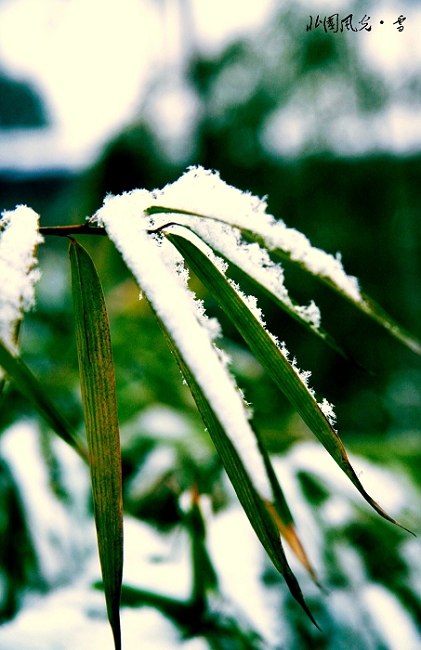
x,y
366,305
269,355
254,506
320,332
215,392
204,575
378,314
290,306
182,613
30,387
100,409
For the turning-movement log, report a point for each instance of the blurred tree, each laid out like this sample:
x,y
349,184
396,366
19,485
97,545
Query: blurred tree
x,y
20,105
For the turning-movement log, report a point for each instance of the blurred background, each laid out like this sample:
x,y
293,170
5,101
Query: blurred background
x,y
99,97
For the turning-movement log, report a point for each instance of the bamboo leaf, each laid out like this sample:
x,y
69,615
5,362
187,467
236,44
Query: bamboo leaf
x,y
100,409
282,516
254,506
378,314
30,387
238,258
366,304
265,350
161,280
263,236
320,332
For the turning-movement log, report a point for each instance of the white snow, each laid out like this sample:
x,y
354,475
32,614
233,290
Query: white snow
x,y
251,303
253,260
202,193
158,464
150,260
73,616
390,619
19,238
124,50
58,529
327,410
162,276
239,561
199,187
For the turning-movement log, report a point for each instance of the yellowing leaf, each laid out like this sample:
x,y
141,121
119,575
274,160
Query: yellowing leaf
x,y
100,408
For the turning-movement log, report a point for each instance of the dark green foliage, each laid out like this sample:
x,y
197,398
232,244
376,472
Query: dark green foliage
x,y
319,50
20,106
18,560
389,567
314,492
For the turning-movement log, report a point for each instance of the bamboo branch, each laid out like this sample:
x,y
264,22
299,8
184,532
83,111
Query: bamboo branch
x,y
86,229
65,231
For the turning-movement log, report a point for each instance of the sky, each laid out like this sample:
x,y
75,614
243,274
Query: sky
x,y
93,63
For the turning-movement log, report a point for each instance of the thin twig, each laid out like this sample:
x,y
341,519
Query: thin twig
x,y
86,229
65,231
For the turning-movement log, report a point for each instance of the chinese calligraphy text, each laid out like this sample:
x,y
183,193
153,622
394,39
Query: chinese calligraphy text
x,y
335,23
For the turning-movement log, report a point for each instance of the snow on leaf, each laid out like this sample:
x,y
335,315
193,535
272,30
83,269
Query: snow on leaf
x,y
251,302
273,356
199,188
19,238
200,192
200,200
327,410
253,260
152,261
200,196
